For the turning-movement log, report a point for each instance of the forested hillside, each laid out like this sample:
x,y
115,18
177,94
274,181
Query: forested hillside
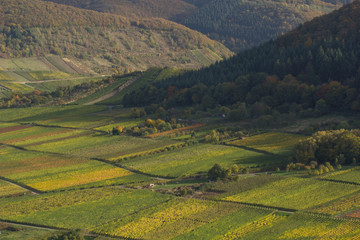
x,y
246,23
238,24
313,70
168,9
105,42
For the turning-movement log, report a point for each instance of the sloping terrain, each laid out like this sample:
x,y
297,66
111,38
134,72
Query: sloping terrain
x,y
243,24
103,42
238,24
311,71
175,10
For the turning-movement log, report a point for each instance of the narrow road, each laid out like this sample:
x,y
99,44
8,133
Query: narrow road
x,y
112,93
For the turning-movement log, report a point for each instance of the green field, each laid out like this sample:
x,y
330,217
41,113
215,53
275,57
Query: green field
x,y
46,172
7,189
350,175
101,146
95,206
15,232
304,226
199,158
272,142
340,206
294,193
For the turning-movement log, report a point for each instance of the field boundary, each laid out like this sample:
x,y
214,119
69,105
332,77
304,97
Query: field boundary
x,y
338,181
21,185
250,149
287,210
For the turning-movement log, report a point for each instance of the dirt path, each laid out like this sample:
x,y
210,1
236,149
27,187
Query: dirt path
x,y
28,225
53,80
112,93
33,191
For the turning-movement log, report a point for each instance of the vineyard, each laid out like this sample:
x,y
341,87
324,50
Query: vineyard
x,y
350,175
270,142
7,189
294,193
198,158
59,166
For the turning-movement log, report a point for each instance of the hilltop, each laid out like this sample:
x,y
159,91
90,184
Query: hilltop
x,y
167,9
237,24
104,42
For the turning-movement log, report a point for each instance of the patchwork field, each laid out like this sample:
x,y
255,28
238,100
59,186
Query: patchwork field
x,y
95,206
62,168
46,172
129,214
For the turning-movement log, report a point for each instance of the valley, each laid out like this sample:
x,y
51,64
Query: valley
x,y
65,163
118,122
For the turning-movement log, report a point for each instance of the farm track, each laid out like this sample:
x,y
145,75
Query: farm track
x,y
114,92
52,80
30,225
44,227
23,186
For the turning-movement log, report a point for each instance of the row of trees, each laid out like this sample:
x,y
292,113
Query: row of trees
x,y
217,172
255,95
150,126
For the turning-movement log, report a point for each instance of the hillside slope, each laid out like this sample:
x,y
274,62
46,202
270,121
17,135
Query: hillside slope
x,y
238,24
242,24
167,9
104,42
311,70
